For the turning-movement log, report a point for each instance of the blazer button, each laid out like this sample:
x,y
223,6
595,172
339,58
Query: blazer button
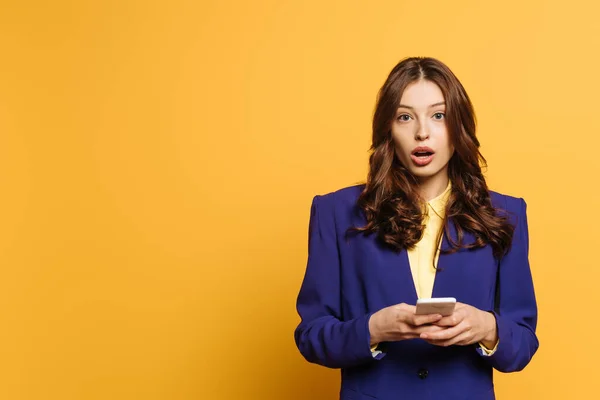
x,y
422,373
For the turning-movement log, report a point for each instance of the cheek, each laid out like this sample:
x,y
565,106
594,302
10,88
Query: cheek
x,y
448,152
450,148
398,151
400,143
445,142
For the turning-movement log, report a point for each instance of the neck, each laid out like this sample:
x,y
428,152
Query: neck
x,y
430,188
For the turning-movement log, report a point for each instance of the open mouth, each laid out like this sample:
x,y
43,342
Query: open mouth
x,y
422,156
423,153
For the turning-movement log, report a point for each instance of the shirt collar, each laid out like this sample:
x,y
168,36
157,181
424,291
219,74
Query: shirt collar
x,y
438,204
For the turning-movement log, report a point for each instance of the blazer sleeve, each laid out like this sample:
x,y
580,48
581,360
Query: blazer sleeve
x,y
322,336
516,312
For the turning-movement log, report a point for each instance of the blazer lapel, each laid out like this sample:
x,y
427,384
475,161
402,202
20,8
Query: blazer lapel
x,y
393,275
407,278
444,284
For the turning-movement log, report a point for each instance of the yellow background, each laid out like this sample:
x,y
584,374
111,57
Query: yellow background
x,y
158,159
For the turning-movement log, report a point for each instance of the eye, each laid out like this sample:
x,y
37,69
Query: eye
x,y
404,118
439,116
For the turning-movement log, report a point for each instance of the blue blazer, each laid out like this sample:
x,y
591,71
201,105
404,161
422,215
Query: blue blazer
x,y
347,279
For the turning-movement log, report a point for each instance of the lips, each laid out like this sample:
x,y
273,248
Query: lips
x,y
422,155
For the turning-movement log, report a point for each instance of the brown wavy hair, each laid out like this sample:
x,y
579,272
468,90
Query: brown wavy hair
x,y
390,200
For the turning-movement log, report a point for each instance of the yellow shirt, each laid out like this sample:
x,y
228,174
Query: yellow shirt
x,y
425,254
423,257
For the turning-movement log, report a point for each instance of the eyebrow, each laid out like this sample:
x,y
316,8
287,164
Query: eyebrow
x,y
441,103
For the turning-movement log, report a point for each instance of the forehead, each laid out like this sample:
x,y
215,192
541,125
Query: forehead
x,y
421,94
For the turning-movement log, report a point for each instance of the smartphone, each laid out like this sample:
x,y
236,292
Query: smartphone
x,y
437,305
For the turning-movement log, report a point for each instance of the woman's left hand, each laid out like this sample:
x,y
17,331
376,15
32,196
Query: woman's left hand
x,y
467,325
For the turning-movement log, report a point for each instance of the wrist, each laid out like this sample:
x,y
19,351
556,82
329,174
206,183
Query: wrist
x,y
373,331
491,337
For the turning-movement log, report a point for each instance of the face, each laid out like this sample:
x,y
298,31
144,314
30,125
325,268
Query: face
x,y
419,131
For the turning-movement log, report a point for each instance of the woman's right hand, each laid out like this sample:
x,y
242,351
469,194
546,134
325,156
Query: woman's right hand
x,y
399,322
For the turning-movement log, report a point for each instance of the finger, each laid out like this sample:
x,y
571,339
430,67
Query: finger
x,y
444,334
452,320
416,332
406,307
467,340
418,320
461,340
427,329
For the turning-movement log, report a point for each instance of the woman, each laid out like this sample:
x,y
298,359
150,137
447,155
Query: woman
x,y
424,225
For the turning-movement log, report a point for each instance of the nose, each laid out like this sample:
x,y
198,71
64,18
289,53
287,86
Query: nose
x,y
422,132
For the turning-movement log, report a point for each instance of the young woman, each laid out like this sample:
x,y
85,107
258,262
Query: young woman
x,y
424,225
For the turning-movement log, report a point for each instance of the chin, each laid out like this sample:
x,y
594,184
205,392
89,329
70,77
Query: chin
x,y
425,172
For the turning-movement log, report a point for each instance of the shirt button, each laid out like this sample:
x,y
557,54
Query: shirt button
x,y
422,373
